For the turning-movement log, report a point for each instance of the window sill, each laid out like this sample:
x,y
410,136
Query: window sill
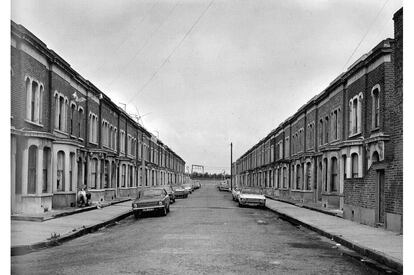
x,y
61,132
34,123
354,134
81,139
376,129
94,143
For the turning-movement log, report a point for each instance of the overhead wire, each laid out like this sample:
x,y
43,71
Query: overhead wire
x,y
366,33
119,45
138,52
173,51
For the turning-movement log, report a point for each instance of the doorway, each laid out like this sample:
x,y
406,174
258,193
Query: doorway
x,y
380,196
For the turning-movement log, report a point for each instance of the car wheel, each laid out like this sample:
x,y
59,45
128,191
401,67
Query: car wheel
x,y
164,211
137,214
240,205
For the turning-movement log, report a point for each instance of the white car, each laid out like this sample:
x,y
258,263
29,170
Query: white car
x,y
251,197
235,193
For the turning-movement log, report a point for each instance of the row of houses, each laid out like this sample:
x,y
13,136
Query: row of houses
x,y
67,134
343,148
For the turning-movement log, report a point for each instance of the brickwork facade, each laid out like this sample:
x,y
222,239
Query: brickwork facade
x,y
67,134
343,149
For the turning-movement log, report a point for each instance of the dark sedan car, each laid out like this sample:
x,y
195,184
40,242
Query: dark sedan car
x,y
151,199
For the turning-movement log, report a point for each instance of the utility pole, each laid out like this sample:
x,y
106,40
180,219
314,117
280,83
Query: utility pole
x,y
231,165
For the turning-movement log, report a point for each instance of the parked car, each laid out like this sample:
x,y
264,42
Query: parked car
x,y
170,192
197,185
235,193
180,192
223,186
189,187
151,200
252,197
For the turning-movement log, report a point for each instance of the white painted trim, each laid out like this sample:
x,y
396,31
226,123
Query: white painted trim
x,y
68,79
35,54
378,62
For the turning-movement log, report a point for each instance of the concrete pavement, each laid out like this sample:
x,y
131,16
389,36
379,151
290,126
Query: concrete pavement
x,y
383,246
27,236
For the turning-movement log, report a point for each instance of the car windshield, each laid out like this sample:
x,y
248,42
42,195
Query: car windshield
x,y
187,185
177,187
151,193
251,191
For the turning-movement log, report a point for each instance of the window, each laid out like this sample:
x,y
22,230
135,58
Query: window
x,y
130,174
93,128
71,166
32,170
46,161
326,130
375,157
334,174
335,125
80,123
61,113
94,176
298,177
105,164
321,132
355,115
375,108
354,159
60,179
308,177
72,118
284,177
34,93
123,175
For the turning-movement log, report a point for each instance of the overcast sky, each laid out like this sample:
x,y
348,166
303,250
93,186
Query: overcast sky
x,y
203,74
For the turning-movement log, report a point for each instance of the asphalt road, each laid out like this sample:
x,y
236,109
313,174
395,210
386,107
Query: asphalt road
x,y
204,234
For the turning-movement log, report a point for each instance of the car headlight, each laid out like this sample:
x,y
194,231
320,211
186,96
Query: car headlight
x,y
134,205
160,202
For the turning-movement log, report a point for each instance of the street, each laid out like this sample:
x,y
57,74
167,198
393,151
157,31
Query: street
x,y
204,234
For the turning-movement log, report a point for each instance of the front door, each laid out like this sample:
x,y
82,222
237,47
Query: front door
x,y
380,211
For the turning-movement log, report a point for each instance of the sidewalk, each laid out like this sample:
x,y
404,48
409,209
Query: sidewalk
x,y
383,246
27,236
57,213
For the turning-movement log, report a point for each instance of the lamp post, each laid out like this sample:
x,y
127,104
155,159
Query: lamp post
x,y
231,165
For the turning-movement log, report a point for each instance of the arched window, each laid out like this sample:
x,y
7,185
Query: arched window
x,y
298,176
80,123
72,119
123,174
61,113
32,170
94,174
308,176
28,98
375,108
354,159
320,132
326,129
355,115
335,124
375,157
334,174
71,167
46,167
60,177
